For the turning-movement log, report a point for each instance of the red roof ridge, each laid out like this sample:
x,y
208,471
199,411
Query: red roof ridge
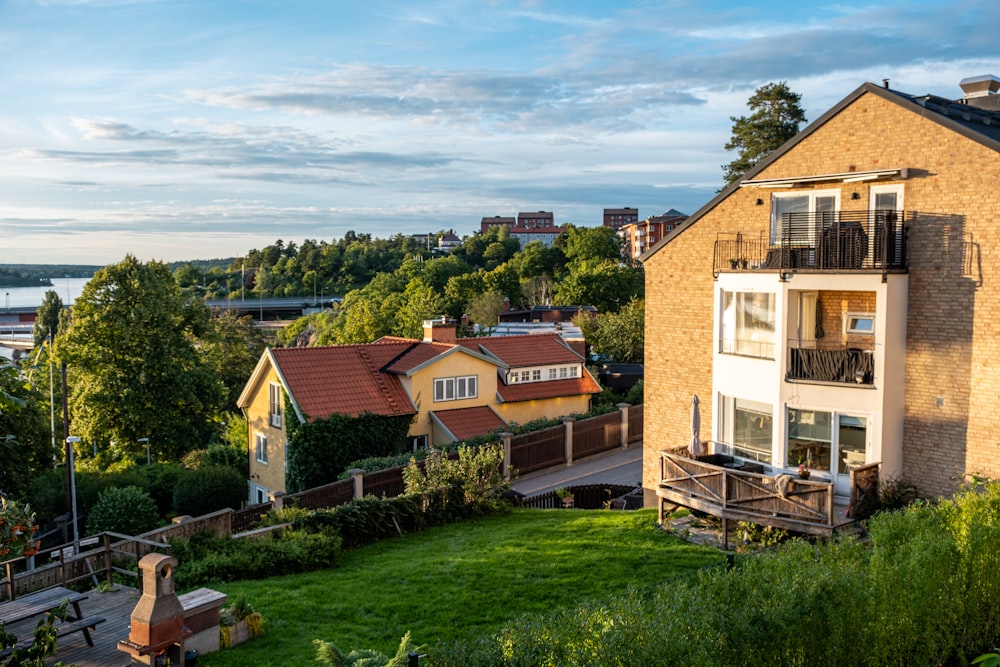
x,y
378,376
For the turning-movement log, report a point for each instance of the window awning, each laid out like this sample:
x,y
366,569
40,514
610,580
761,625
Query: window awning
x,y
847,177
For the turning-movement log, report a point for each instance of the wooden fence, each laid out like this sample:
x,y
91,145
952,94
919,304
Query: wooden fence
x,y
596,435
589,496
539,449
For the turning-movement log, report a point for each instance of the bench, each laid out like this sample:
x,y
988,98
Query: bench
x,y
84,625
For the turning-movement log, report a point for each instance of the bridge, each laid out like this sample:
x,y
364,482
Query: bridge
x,y
273,308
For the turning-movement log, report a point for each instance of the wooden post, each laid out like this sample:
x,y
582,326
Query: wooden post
x,y
277,499
568,439
359,482
107,560
505,436
623,408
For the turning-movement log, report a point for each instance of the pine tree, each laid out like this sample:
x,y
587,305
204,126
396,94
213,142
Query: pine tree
x,y
775,119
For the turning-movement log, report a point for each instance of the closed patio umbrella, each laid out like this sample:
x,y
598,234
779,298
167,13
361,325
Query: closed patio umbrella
x,y
695,448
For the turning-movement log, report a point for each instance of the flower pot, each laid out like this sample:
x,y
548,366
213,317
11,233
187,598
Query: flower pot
x,y
804,474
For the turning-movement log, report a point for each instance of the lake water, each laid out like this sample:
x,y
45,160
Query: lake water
x,y
68,290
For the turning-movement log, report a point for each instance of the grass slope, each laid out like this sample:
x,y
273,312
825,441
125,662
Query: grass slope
x,y
459,581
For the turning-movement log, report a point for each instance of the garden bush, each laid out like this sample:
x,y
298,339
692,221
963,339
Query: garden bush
x,y
209,489
127,509
161,480
923,591
217,455
205,558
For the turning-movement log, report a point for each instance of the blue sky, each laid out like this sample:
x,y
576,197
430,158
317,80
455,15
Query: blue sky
x,y
188,129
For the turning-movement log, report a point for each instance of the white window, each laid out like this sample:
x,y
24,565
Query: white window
x,y
553,373
747,324
275,404
859,323
573,371
456,388
536,375
261,448
563,372
794,215
747,426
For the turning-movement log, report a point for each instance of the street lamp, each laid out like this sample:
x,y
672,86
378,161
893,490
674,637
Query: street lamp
x,y
70,445
146,441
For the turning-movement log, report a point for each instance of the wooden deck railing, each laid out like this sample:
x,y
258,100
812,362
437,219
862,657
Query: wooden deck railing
x,y
783,501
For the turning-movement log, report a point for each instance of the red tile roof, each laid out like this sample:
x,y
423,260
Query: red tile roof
x,y
343,379
530,391
530,350
465,423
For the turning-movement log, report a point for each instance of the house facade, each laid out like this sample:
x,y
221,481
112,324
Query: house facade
x,y
450,389
838,307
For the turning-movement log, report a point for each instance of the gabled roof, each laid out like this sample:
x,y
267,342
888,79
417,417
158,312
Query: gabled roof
x,y
416,354
521,351
533,391
466,423
976,124
341,379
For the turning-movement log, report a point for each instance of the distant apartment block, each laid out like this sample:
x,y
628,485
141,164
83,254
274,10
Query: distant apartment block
x,y
641,236
527,227
616,217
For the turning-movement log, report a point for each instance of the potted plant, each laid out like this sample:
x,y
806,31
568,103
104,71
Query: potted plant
x,y
803,471
733,262
239,622
744,262
566,496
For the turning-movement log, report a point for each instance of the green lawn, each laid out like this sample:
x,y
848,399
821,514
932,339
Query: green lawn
x,y
459,581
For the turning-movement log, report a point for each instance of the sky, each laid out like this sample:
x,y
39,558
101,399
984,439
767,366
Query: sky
x,y
199,129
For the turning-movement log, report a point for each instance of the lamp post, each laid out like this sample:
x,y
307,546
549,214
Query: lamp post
x,y
145,441
70,446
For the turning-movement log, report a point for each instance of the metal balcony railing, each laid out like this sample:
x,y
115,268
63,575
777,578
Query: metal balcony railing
x,y
830,241
849,366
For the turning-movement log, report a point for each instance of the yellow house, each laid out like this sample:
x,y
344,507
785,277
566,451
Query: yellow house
x,y
452,389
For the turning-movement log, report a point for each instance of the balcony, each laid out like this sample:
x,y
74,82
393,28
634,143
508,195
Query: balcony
x,y
848,366
834,241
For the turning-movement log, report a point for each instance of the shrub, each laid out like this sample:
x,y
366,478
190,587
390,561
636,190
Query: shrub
x,y
128,510
217,455
161,480
209,489
206,559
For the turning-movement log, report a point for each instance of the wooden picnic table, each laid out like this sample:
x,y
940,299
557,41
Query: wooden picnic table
x,y
44,601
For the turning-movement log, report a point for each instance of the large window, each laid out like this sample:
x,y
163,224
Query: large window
x,y
815,438
275,404
748,324
747,427
260,448
456,388
804,207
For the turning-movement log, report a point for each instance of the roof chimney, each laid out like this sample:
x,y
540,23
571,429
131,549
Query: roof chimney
x,y
980,86
440,331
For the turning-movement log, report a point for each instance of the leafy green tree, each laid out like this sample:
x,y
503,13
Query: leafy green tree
x,y
25,440
588,244
420,302
617,337
134,368
485,309
776,118
608,285
231,347
49,317
210,489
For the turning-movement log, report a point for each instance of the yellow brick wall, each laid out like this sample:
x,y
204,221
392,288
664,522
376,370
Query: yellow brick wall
x,y
834,304
952,417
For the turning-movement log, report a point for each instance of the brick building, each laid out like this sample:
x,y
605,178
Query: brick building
x,y
836,306
616,217
641,236
528,227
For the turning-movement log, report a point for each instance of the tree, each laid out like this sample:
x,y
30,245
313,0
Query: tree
x,y
591,243
485,309
776,118
617,337
231,347
606,285
49,317
25,444
134,368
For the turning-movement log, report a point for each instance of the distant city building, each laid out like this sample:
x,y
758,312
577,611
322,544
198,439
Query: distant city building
x,y
616,217
527,227
641,236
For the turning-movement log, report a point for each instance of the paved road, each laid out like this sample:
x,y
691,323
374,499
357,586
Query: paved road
x,y
621,466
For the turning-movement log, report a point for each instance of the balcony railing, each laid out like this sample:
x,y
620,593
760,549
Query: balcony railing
x,y
850,366
832,241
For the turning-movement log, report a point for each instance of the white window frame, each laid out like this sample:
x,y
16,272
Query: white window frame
x,y
762,343
457,388
851,321
260,448
274,403
727,422
811,196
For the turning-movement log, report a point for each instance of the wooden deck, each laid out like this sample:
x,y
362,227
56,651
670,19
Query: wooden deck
x,y
116,606
803,506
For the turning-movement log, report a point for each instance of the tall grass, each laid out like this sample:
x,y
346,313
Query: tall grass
x,y
925,590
